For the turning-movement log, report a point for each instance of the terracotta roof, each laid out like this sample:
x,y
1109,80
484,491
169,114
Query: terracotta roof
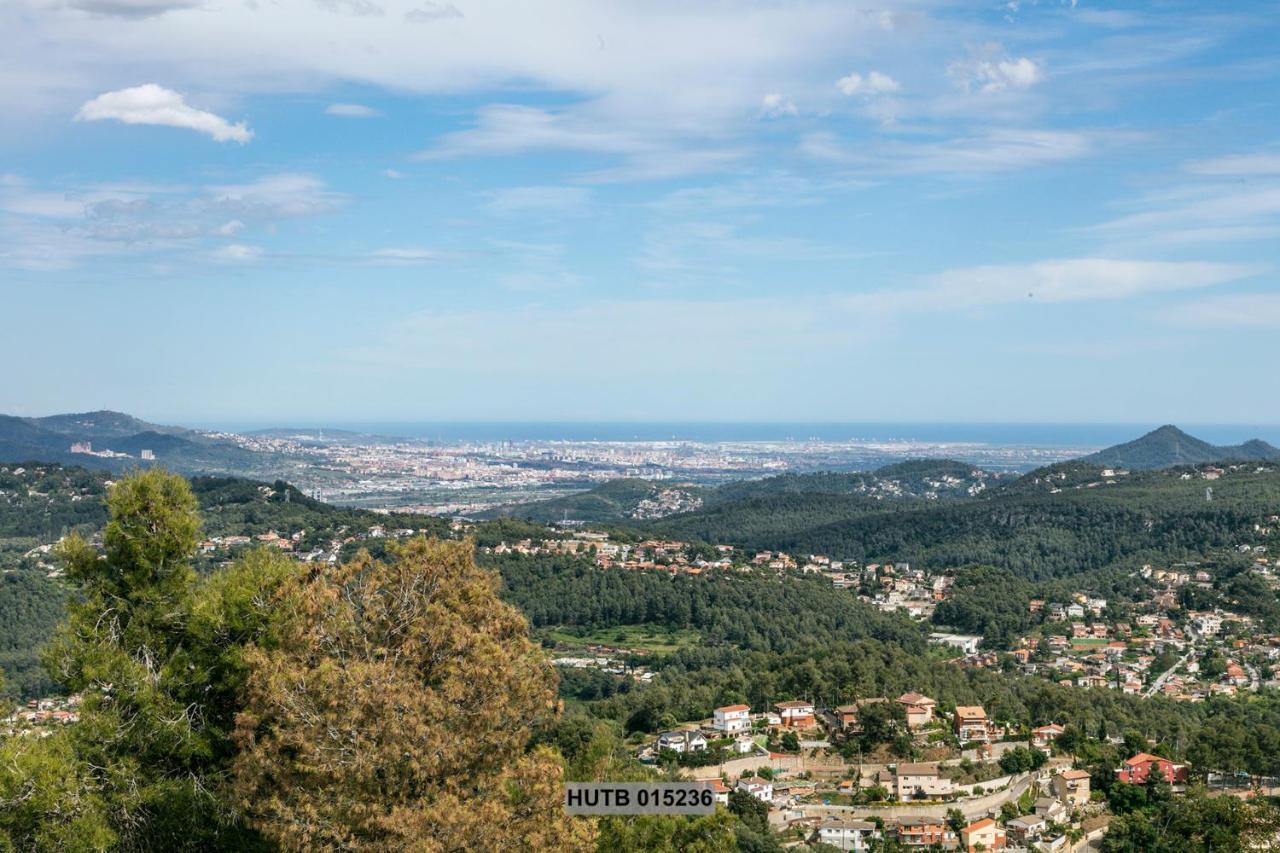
x,y
981,824
728,708
1075,774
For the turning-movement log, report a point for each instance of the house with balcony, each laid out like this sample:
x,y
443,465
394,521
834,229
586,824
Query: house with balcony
x,y
923,832
732,719
971,724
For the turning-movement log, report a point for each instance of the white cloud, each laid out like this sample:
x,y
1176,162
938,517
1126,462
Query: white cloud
x,y
351,111
152,104
238,253
546,199
358,8
393,174
774,105
432,11
42,204
134,220
1217,211
990,71
132,8
1258,311
275,196
1049,282
512,128
993,151
502,129
408,255
1238,165
873,83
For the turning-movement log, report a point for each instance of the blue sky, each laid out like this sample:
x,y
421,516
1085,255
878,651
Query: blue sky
x,y
304,210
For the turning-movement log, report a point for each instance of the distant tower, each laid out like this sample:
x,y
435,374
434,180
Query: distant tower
x,y
149,455
1208,494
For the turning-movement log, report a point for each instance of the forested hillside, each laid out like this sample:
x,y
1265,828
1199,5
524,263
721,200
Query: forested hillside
x,y
613,501
914,478
765,638
748,610
1045,525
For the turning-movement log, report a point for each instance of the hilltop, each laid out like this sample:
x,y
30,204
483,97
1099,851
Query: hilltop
x,y
114,441
1169,446
632,499
616,500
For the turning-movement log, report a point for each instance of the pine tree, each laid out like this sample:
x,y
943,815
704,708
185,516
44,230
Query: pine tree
x,y
392,710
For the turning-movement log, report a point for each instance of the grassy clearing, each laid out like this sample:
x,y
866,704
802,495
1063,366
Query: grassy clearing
x,y
654,638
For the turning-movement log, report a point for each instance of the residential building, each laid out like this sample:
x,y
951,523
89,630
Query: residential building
x,y
920,782
682,741
1051,809
971,724
847,715
1138,769
847,834
924,832
795,714
1025,829
984,835
757,788
919,709
1043,737
732,719
1072,787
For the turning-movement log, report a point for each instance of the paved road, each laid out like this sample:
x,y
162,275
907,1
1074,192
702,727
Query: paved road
x,y
972,808
1164,676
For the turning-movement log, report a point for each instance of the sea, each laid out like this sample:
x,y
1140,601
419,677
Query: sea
x,y
995,434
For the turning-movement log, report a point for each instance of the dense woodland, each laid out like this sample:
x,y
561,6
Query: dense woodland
x,y
1024,527
765,639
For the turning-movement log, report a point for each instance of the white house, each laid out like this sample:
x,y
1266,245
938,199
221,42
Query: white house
x,y
847,834
795,713
757,788
920,782
732,719
683,741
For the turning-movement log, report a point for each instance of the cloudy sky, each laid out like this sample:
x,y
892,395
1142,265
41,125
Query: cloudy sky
x,y
301,210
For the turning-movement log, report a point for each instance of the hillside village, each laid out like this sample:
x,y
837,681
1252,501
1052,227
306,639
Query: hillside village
x,y
973,781
985,785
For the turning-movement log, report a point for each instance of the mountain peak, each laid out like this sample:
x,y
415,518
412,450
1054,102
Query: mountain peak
x,y
1167,446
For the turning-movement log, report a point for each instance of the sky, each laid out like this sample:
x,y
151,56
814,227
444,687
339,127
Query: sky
x,y
379,210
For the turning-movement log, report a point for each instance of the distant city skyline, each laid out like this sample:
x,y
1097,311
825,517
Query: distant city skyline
x,y
407,210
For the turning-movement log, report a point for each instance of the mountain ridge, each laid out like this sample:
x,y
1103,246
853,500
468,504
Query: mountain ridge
x,y
1168,446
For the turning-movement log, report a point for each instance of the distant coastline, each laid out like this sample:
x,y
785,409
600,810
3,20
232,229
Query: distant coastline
x,y
998,434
